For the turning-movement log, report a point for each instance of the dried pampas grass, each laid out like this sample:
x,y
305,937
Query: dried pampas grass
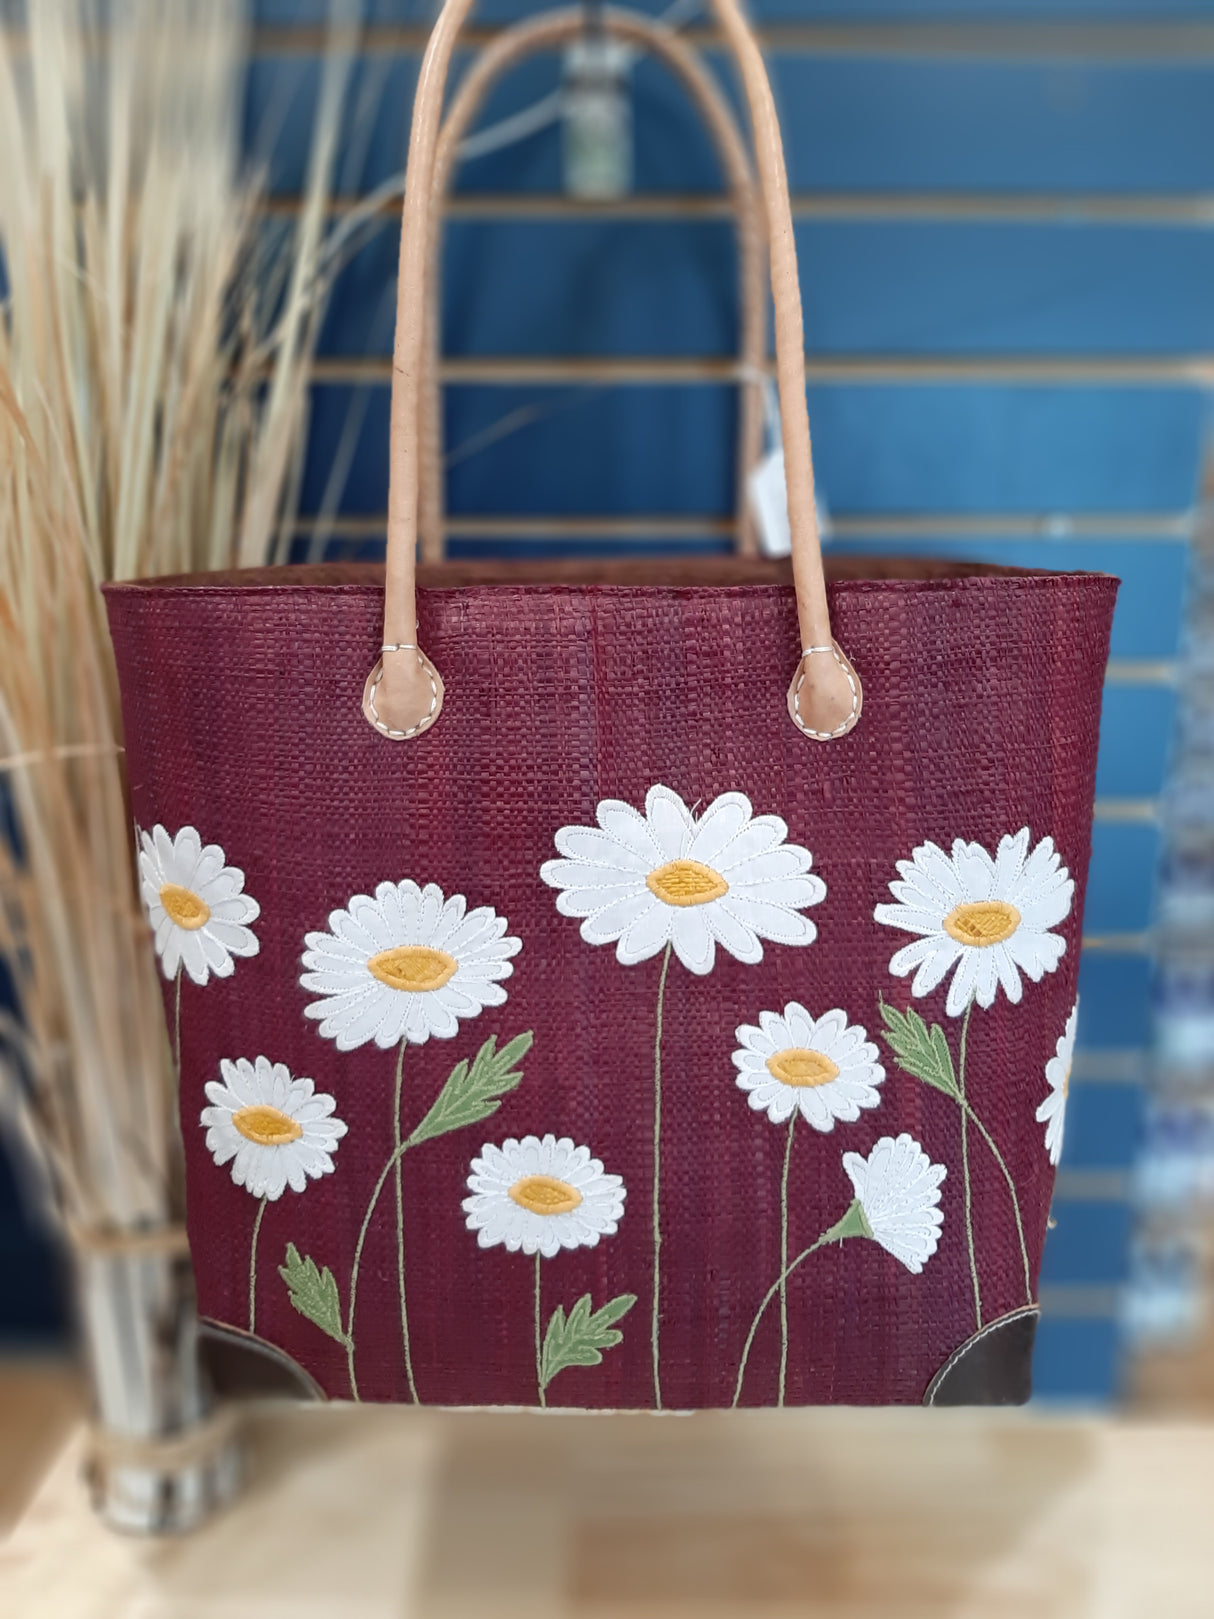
x,y
155,342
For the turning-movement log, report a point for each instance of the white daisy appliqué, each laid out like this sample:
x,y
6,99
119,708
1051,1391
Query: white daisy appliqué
x,y
275,1131
1052,1112
406,964
826,1067
541,1196
898,1189
196,904
665,877
988,917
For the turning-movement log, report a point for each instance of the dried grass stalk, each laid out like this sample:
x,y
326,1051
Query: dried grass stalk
x,y
155,344
154,349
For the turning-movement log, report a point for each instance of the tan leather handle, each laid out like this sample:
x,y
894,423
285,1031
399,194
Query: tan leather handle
x,y
546,32
403,695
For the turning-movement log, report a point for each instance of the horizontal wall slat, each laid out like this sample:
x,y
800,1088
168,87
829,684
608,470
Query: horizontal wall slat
x,y
1080,1302
1105,1184
850,124
629,452
1113,371
893,534
1018,303
1089,12
1099,40
1138,209
1127,811
1131,527
1108,1065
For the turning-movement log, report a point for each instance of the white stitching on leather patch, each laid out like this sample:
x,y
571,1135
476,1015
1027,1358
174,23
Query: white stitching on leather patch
x,y
427,719
840,730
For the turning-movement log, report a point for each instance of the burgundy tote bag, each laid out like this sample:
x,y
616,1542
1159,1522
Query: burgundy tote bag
x,y
605,1021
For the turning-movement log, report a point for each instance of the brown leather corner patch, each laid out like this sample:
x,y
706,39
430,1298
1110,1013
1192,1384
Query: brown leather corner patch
x,y
241,1365
994,1367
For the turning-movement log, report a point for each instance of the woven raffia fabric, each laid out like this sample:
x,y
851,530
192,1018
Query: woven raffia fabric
x,y
982,698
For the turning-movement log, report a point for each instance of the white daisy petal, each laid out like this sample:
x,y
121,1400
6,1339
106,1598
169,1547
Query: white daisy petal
x,y
975,869
931,868
1009,860
160,846
984,919
195,905
964,984
1052,1112
540,1196
1046,910
693,940
628,829
732,933
443,963
650,933
588,846
717,828
825,1067
671,823
643,881
1036,953
590,901
987,978
607,923
275,1131
574,875
764,835
770,920
898,1188
193,956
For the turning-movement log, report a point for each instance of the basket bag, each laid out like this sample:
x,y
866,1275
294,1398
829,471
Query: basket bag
x,y
605,1021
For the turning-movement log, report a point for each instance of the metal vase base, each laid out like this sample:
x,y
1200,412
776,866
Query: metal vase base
x,y
161,1457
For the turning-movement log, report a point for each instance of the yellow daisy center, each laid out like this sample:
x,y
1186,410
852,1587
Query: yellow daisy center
x,y
802,1068
413,967
1066,1080
184,908
982,922
544,1194
686,882
267,1126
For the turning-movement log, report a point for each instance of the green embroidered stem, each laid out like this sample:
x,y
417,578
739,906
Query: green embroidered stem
x,y
539,1343
853,1224
177,1027
792,1124
1011,1186
358,1255
657,1180
397,1154
965,1162
924,1053
472,1092
261,1209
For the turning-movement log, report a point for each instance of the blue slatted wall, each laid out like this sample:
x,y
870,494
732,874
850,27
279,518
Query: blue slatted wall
x,y
1005,215
1004,218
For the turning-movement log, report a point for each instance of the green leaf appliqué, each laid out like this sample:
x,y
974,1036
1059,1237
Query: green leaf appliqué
x,y
473,1092
313,1292
923,1052
580,1338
